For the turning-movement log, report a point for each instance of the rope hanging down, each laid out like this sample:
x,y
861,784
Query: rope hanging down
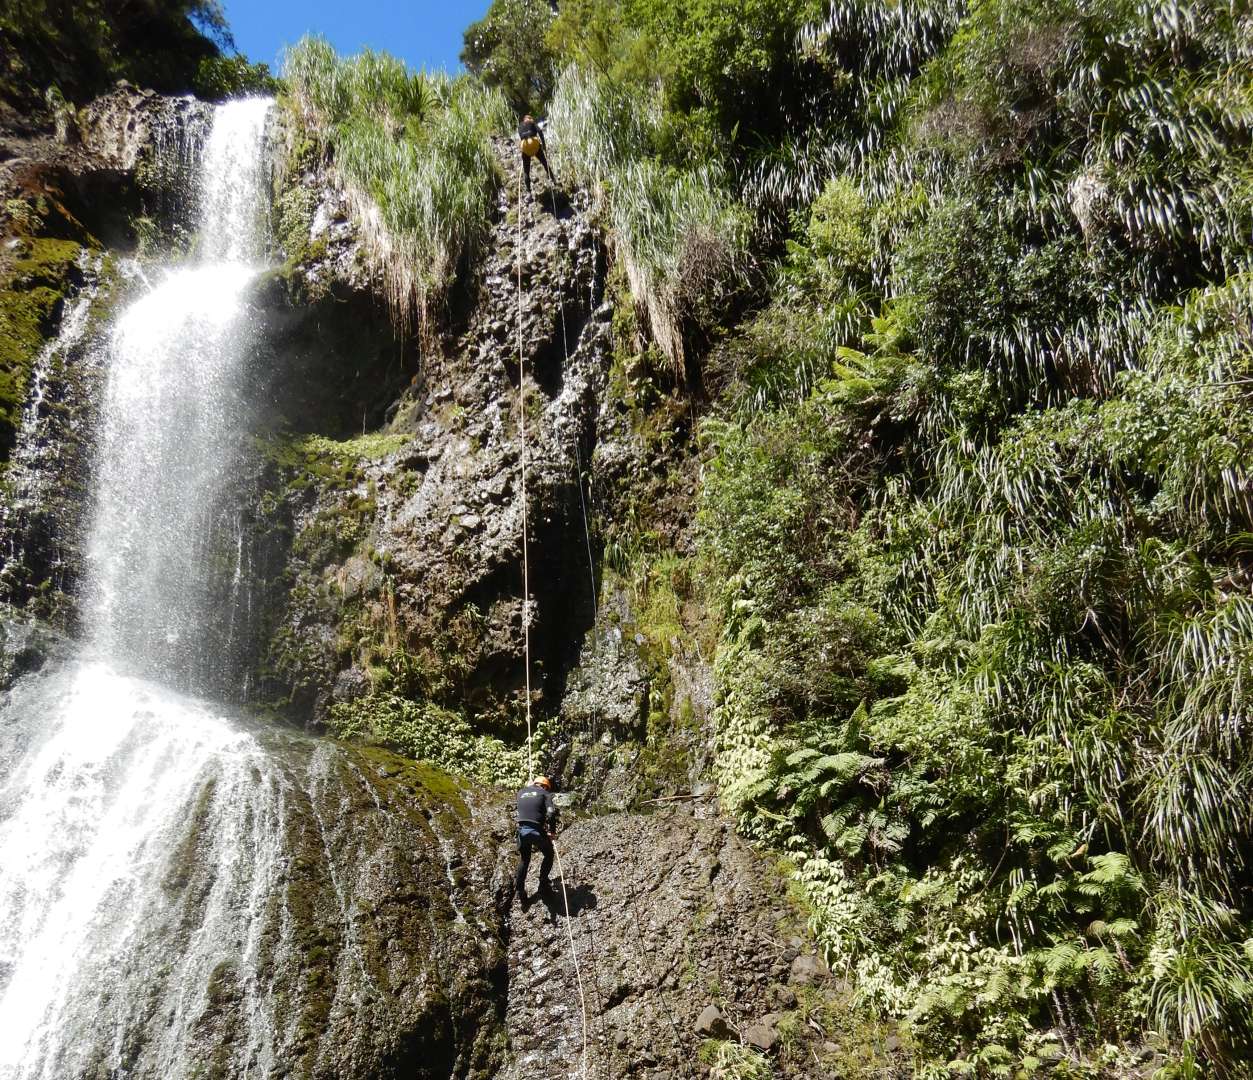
x,y
685,1062
526,570
526,604
578,975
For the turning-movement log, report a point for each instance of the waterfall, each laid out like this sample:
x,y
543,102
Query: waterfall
x,y
138,826
173,421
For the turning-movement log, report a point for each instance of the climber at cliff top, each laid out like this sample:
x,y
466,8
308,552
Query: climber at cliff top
x,y
531,143
537,823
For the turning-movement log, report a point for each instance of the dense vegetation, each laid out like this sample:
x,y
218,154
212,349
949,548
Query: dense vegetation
x,y
60,50
976,510
414,152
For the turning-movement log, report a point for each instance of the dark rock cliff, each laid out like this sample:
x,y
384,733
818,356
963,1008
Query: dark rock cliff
x,y
433,568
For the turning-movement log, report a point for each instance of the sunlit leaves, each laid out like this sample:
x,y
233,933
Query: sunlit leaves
x,y
414,152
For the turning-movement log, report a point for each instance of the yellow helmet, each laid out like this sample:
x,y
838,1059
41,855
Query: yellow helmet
x,y
544,782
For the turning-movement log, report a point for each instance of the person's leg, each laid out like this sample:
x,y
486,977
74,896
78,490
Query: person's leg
x,y
543,160
525,841
545,844
526,170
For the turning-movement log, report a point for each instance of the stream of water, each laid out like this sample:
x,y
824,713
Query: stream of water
x,y
107,947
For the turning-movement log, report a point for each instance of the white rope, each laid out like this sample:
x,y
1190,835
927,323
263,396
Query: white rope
x,y
578,974
526,570
587,538
526,608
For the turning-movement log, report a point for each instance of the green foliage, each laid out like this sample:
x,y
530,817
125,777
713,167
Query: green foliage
x,y
414,152
221,77
683,244
429,733
683,240
81,47
726,70
508,49
976,518
730,1061
603,37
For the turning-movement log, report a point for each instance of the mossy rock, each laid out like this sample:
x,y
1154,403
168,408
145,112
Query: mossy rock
x,y
34,282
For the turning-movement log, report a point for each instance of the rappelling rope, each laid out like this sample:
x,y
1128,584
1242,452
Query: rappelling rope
x,y
526,608
526,569
578,463
606,1044
591,569
578,974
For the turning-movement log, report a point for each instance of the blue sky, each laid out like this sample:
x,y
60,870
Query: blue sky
x,y
425,33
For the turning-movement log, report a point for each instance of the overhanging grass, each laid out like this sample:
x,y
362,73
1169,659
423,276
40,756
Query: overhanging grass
x,y
681,235
413,151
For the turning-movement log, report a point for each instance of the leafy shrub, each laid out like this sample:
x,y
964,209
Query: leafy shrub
x,y
975,518
731,1061
425,731
82,47
221,77
507,49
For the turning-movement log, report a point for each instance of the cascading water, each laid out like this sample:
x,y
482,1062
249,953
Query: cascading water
x,y
99,769
173,419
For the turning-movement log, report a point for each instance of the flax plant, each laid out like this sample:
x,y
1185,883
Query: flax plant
x,y
978,518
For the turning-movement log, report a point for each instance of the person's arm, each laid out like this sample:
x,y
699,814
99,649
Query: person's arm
x,y
550,813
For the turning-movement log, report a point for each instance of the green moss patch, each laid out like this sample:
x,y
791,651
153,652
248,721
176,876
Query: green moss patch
x,y
33,286
419,777
439,737
315,460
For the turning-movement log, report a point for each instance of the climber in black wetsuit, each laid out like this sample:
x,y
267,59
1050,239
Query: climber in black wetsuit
x,y
531,143
537,821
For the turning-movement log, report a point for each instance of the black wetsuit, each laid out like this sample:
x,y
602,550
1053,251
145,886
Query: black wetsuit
x,y
536,815
529,129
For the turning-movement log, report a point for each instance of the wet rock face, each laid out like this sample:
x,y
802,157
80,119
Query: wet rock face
x,y
443,529
26,646
680,937
45,481
372,949
128,153
456,540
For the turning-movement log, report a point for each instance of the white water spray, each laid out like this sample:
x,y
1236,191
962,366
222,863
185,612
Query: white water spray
x,y
173,420
105,952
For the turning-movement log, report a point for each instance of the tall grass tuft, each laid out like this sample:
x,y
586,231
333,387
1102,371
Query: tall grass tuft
x,y
683,242
414,153
682,236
